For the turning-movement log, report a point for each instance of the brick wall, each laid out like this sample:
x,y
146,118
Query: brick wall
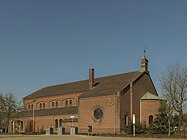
x,y
106,125
139,88
44,122
110,122
149,107
61,99
142,86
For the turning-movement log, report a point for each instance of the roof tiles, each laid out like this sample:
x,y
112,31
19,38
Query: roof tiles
x,y
103,86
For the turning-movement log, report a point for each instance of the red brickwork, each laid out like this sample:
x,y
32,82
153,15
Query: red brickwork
x,y
61,99
107,103
149,107
139,87
44,122
142,86
114,106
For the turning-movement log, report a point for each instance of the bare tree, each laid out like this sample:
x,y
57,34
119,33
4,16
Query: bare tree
x,y
1,115
8,108
174,87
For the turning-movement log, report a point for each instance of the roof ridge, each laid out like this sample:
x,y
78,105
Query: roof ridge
x,y
88,79
117,74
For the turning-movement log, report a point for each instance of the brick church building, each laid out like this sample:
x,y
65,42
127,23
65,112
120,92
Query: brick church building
x,y
106,104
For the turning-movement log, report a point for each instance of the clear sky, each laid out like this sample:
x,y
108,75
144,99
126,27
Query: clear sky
x,y
48,42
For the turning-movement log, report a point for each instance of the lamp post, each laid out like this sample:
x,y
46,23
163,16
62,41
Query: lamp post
x,y
133,121
114,113
72,131
72,117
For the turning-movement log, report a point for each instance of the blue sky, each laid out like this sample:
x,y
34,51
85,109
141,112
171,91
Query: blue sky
x,y
48,42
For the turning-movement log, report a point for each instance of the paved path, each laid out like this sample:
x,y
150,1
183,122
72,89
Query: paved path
x,y
77,137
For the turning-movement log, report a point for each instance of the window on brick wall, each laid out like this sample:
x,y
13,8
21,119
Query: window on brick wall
x,y
151,120
97,113
40,105
56,123
43,105
60,123
70,102
66,103
56,104
126,120
53,104
21,125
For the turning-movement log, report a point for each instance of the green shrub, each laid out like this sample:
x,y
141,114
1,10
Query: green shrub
x,y
139,128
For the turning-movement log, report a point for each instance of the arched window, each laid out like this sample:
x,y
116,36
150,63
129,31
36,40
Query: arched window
x,y
53,104
70,102
21,125
40,105
56,123
60,123
29,107
151,120
32,106
43,105
66,104
56,104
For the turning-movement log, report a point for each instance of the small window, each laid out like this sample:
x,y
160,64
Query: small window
x,y
29,107
21,125
53,104
70,102
151,120
126,120
60,123
40,105
66,104
43,105
56,123
32,106
56,104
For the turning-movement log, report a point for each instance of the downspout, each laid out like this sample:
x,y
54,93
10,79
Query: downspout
x,y
114,113
140,110
131,101
116,96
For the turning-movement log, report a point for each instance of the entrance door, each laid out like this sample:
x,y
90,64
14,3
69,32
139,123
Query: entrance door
x,y
31,126
72,130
